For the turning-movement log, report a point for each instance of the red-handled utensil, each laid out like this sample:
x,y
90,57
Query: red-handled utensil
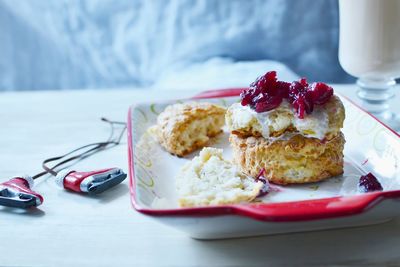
x,y
17,192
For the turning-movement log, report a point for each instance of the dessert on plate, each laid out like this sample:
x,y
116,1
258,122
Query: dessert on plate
x,y
209,179
286,133
183,128
291,130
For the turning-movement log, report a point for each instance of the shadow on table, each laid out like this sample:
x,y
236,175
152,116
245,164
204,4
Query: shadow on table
x,y
376,245
105,197
32,212
112,193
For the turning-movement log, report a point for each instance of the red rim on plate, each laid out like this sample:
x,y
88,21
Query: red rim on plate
x,y
285,211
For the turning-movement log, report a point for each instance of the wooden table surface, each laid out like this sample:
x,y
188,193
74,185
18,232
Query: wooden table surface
x,y
75,230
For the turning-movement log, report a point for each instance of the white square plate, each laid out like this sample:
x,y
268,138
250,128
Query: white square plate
x,y
370,147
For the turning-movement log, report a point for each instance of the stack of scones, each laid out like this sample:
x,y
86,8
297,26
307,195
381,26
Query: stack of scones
x,y
290,132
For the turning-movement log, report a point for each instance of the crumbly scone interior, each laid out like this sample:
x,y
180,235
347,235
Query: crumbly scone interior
x,y
198,132
209,179
183,128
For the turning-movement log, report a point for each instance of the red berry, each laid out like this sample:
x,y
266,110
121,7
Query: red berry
x,y
299,106
263,93
295,90
369,183
308,102
283,89
303,81
321,93
266,82
301,98
271,77
266,186
267,93
267,103
247,96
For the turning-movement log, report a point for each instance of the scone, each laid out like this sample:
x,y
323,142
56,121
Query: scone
x,y
291,130
211,180
183,128
324,122
293,161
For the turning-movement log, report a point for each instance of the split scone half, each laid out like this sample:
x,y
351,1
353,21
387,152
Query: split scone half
x,y
293,161
209,179
183,128
324,123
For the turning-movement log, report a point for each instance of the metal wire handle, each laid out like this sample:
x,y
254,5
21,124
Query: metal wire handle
x,y
91,149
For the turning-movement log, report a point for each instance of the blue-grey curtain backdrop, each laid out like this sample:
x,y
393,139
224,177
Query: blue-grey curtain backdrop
x,y
59,44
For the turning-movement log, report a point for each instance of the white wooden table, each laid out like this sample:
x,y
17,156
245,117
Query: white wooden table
x,y
75,230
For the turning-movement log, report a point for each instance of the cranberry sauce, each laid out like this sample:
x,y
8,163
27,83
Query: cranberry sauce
x,y
369,183
265,188
266,93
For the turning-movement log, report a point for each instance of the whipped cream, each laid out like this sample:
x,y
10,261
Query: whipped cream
x,y
314,125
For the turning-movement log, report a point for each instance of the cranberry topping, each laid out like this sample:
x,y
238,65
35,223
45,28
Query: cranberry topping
x,y
265,82
267,103
247,96
300,97
265,188
303,82
320,93
369,183
267,92
283,89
